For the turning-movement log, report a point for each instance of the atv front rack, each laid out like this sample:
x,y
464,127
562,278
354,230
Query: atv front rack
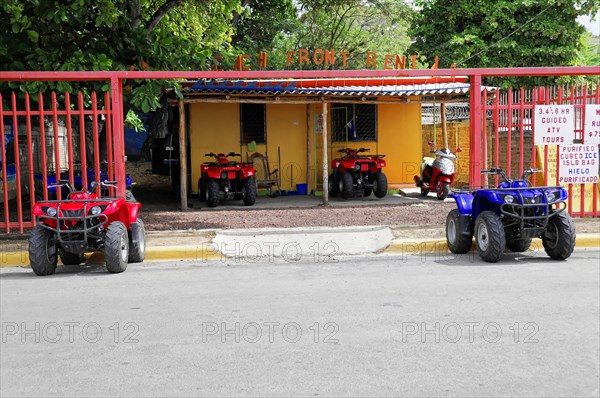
x,y
88,229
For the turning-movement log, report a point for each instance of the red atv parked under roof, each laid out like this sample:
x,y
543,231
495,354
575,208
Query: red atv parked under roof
x,y
234,179
355,174
86,222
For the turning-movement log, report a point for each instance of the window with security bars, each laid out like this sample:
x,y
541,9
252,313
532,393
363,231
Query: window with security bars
x,y
353,122
252,123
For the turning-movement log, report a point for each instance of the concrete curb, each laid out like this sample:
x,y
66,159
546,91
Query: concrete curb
x,y
209,251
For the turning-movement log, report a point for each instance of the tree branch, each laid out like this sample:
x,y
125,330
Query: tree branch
x,y
159,14
134,13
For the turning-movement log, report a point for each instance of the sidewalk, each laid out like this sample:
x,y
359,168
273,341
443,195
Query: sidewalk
x,y
293,244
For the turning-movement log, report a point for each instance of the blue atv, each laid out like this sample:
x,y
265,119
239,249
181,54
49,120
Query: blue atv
x,y
509,217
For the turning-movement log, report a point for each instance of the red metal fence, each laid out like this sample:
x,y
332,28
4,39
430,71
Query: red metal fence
x,y
38,155
52,138
510,144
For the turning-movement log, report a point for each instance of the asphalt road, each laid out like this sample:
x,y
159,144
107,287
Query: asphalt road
x,y
377,326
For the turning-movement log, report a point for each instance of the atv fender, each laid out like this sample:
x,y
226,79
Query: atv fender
x,y
134,209
464,202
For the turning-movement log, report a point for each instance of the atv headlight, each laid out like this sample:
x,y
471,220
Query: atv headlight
x,y
94,211
509,199
51,211
357,166
223,175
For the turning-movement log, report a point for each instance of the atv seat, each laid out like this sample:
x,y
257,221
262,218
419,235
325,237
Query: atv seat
x,y
264,177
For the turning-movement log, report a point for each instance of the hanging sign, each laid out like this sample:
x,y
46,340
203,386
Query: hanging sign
x,y
554,124
591,127
578,164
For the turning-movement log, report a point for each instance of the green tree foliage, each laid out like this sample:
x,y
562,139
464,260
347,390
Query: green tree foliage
x,y
355,26
502,33
46,35
260,25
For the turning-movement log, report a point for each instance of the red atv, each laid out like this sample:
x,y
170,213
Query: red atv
x,y
234,179
86,222
355,174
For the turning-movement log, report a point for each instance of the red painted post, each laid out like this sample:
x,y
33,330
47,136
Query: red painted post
x,y
475,134
95,139
509,124
4,174
118,133
109,141
82,140
521,130
29,154
56,145
44,165
69,137
17,162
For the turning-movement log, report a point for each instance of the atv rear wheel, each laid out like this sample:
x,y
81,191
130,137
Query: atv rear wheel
x,y
380,185
72,258
457,242
249,192
334,184
201,190
559,238
518,245
212,193
43,256
442,189
116,247
489,236
346,185
137,243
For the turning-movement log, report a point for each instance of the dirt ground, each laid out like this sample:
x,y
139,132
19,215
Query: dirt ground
x,y
161,211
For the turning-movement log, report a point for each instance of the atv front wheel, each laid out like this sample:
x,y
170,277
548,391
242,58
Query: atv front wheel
x,y
42,251
212,193
249,192
347,185
334,184
559,238
489,236
116,247
201,190
72,258
380,185
518,245
442,189
137,243
457,242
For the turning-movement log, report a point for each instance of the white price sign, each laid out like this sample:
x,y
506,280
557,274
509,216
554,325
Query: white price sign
x,y
554,124
578,164
591,129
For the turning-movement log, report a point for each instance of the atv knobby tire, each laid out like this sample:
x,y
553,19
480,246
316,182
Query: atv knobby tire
x,y
347,185
457,242
72,258
559,238
334,184
380,185
201,190
518,245
43,256
489,236
137,244
249,192
212,193
367,192
116,247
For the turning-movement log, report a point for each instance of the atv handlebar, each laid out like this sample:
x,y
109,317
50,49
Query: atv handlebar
x,y
63,183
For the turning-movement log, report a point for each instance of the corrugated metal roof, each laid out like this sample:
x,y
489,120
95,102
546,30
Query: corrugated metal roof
x,y
291,87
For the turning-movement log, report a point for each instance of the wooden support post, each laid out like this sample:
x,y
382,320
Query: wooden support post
x,y
182,157
444,126
309,145
325,169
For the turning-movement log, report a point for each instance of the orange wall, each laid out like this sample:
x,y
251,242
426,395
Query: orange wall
x,y
216,128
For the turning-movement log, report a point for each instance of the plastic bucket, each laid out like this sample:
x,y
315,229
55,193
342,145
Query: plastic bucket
x,y
301,188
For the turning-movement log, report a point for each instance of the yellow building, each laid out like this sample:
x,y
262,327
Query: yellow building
x,y
286,120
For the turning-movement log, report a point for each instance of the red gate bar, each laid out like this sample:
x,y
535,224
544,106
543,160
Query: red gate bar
x,y
69,138
82,142
30,153
17,162
4,174
44,165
